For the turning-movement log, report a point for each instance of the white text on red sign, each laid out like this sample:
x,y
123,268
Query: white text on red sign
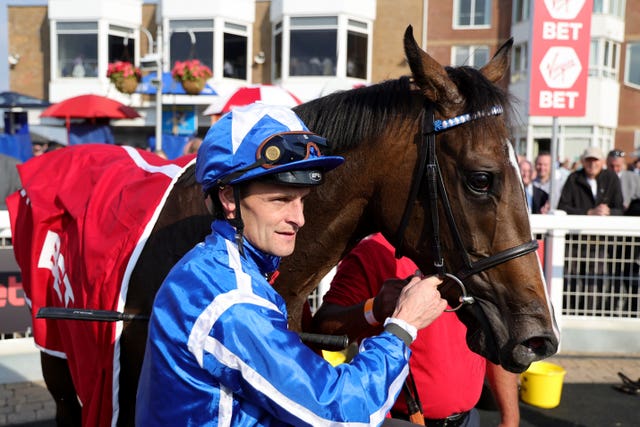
x,y
561,30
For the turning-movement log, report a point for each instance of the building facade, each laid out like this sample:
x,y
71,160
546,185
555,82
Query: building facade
x,y
61,48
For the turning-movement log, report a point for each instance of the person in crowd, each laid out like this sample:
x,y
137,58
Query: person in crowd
x,y
537,198
219,351
448,376
629,181
9,178
191,147
592,190
39,147
543,177
636,166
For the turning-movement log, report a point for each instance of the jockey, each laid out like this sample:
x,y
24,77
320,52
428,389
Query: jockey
x,y
219,351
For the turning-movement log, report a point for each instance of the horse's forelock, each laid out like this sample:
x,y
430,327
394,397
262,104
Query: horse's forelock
x,y
480,94
348,118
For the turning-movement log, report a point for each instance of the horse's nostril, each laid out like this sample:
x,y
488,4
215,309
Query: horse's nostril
x,y
536,344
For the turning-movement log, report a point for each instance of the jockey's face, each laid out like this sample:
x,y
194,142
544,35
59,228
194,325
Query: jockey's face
x,y
272,215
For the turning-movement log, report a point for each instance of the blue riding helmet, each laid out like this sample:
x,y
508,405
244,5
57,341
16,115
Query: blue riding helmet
x,y
259,141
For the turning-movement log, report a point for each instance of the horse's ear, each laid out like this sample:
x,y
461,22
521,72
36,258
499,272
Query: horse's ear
x,y
428,74
497,67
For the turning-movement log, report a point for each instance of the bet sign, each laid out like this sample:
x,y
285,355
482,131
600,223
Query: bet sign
x,y
560,57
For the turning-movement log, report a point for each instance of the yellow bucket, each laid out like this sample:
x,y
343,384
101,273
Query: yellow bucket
x,y
541,384
334,357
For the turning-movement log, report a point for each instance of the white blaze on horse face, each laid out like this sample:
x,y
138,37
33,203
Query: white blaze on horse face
x,y
52,259
513,159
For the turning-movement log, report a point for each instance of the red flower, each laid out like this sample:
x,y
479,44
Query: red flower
x,y
121,69
191,70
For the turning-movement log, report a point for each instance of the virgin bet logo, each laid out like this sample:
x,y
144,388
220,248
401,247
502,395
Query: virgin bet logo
x,y
52,259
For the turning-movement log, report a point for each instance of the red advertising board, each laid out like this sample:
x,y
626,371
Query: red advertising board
x,y
560,57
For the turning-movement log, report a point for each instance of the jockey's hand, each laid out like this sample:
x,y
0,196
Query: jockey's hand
x,y
386,300
420,302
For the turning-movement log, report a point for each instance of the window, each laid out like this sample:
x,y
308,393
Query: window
x,y
235,51
77,49
520,11
632,72
191,39
357,46
473,56
121,44
609,7
313,46
472,13
519,63
604,58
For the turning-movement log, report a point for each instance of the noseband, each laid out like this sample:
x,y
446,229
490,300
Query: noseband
x,y
428,173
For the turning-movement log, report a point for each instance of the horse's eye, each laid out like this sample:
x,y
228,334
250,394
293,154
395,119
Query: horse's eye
x,y
479,181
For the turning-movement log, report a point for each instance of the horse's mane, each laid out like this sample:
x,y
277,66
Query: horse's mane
x,y
346,118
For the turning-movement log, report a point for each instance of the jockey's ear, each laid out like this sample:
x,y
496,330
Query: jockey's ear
x,y
225,194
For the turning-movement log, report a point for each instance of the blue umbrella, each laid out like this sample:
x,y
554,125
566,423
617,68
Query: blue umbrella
x,y
169,86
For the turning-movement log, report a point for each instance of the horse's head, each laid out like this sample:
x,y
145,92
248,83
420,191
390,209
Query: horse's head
x,y
481,220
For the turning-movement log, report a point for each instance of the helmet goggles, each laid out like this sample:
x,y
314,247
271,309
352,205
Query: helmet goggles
x,y
284,148
287,147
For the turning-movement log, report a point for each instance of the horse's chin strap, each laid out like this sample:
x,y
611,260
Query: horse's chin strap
x,y
427,160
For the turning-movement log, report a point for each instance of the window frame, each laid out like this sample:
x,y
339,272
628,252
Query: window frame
x,y
199,28
345,26
521,11
604,58
91,28
471,55
628,63
473,11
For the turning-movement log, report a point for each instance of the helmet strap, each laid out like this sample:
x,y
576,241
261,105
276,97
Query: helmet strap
x,y
237,220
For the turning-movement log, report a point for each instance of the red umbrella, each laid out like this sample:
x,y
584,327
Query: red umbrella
x,y
90,107
268,94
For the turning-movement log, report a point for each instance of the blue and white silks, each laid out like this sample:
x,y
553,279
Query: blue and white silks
x,y
219,352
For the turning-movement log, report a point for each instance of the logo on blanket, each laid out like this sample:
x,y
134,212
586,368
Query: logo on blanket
x,y
52,259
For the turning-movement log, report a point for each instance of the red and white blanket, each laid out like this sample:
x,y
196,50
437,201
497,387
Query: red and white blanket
x,y
78,226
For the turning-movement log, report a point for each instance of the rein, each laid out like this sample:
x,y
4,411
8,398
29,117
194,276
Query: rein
x,y
428,168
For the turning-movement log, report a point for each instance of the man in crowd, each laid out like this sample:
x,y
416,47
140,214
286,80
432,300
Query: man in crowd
x,y
219,351
543,177
537,198
629,181
448,376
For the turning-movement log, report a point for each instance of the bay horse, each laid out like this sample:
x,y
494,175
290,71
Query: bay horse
x,y
455,206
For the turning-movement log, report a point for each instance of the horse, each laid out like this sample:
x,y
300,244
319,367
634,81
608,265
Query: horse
x,y
456,208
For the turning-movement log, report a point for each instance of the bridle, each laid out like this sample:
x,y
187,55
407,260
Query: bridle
x,y
427,172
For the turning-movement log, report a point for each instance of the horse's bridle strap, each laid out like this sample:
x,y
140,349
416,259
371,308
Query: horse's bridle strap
x,y
427,167
497,259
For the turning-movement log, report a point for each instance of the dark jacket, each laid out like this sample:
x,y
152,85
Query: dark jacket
x,y
577,199
540,197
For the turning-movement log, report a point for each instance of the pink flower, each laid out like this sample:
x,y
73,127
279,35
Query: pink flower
x,y
122,69
191,70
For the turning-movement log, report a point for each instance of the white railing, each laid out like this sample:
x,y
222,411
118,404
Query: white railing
x,y
591,266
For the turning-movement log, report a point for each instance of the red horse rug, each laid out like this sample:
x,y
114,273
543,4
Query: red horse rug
x,y
79,224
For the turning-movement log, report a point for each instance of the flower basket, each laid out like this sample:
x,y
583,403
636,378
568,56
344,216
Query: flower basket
x,y
192,74
124,75
127,84
193,87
